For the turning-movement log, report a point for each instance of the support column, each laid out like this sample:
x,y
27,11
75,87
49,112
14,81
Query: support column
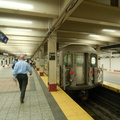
x,y
37,61
1,60
8,61
110,61
98,53
4,62
41,54
11,59
52,59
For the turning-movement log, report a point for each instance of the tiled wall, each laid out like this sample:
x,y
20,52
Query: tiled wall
x,y
110,65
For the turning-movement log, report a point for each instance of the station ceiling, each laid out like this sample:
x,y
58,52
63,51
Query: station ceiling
x,y
29,23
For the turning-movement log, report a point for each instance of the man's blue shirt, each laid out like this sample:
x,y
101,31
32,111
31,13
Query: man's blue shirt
x,y
21,67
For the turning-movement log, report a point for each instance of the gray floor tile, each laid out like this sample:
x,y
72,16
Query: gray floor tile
x,y
35,107
2,117
24,114
12,116
24,118
37,117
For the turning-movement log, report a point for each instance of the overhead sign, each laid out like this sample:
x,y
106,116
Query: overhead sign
x,y
3,37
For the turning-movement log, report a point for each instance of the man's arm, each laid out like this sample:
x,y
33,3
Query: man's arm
x,y
14,72
29,69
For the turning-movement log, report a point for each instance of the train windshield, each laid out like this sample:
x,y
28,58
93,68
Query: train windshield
x,y
93,59
68,60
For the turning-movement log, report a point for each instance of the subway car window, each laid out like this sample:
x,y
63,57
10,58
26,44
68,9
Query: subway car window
x,y
65,60
93,59
68,60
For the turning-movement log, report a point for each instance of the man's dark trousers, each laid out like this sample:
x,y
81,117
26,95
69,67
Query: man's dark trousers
x,y
23,81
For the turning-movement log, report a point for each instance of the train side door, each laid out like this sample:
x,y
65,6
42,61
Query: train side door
x,y
68,64
80,63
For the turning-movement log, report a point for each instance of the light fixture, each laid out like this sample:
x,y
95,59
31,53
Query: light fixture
x,y
93,35
108,30
19,29
15,5
5,53
13,20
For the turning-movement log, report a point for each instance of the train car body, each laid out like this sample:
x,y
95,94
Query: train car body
x,y
78,67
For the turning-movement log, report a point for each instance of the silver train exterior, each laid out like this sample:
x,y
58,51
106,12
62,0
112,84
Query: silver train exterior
x,y
78,68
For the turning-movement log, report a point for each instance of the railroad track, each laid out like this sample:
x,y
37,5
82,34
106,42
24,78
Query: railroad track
x,y
102,111
102,104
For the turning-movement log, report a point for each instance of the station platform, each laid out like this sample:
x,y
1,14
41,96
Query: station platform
x,y
39,103
111,86
111,80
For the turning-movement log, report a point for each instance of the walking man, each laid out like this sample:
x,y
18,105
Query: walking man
x,y
20,72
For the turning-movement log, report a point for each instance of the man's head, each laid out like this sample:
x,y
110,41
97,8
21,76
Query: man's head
x,y
21,57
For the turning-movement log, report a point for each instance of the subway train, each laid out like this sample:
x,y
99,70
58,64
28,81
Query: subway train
x,y
78,68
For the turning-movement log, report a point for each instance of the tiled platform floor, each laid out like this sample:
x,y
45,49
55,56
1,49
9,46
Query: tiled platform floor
x,y
36,106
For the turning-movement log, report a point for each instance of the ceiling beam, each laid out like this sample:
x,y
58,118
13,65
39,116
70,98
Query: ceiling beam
x,y
68,10
39,8
77,39
81,41
93,21
85,35
29,13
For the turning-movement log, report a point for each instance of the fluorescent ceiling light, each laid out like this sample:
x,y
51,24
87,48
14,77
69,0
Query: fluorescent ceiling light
x,y
92,35
15,5
108,30
19,29
5,53
13,20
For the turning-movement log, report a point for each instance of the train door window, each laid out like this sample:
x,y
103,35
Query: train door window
x,y
79,60
79,68
68,60
65,60
93,60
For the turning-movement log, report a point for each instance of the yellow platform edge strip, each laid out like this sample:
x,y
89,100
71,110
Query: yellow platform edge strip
x,y
69,107
111,86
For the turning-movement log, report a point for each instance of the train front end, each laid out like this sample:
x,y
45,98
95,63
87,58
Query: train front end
x,y
78,68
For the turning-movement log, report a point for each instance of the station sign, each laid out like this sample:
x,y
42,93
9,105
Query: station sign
x,y
51,56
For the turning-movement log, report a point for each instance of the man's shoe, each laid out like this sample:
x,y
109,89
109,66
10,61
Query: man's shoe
x,y
22,101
